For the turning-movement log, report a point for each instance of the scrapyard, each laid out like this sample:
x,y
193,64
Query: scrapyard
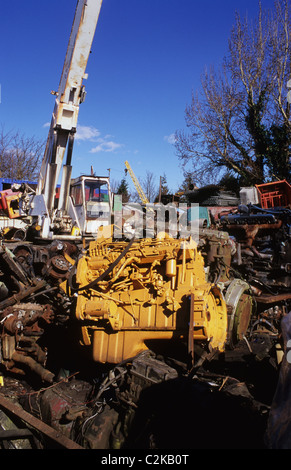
x,y
153,339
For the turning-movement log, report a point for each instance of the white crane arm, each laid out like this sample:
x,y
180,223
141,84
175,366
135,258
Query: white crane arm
x,y
68,98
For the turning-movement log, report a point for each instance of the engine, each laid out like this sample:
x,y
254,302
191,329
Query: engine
x,y
147,294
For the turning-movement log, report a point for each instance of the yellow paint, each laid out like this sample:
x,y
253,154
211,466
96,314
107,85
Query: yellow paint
x,y
145,300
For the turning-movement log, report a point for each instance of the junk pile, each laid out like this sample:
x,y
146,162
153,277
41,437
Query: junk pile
x,y
97,341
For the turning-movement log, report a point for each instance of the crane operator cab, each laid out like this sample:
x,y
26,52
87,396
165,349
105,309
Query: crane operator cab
x,y
91,198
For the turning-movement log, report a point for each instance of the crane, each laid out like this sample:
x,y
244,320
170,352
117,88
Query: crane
x,y
72,208
59,214
137,185
69,96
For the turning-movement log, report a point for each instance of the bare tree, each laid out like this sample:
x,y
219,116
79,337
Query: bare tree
x,y
239,122
150,186
114,185
20,156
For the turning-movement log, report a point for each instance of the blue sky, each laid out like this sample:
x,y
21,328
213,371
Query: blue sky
x,y
147,57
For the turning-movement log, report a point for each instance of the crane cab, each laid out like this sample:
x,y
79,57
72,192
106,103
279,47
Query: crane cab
x,y
91,198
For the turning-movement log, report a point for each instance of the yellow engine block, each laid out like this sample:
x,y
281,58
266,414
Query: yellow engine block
x,y
138,295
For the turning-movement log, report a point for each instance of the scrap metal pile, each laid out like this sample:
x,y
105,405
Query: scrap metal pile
x,y
32,303
101,332
263,257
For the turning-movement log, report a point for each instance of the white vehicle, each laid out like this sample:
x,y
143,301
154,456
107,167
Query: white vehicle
x,y
58,208
92,202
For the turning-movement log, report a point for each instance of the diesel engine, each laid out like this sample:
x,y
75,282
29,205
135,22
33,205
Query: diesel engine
x,y
147,294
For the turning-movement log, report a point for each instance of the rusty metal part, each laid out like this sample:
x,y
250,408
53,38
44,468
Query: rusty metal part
x,y
10,264
58,267
55,436
251,231
18,355
24,255
98,434
22,295
41,255
63,403
270,299
240,302
26,315
63,247
21,326
29,362
15,434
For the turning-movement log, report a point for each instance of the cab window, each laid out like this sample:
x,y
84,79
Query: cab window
x,y
76,194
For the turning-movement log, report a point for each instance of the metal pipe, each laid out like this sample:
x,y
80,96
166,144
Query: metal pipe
x,y
45,374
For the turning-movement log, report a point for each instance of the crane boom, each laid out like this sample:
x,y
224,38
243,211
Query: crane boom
x,y
68,98
138,187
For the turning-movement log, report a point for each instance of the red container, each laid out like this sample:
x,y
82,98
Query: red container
x,y
276,194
